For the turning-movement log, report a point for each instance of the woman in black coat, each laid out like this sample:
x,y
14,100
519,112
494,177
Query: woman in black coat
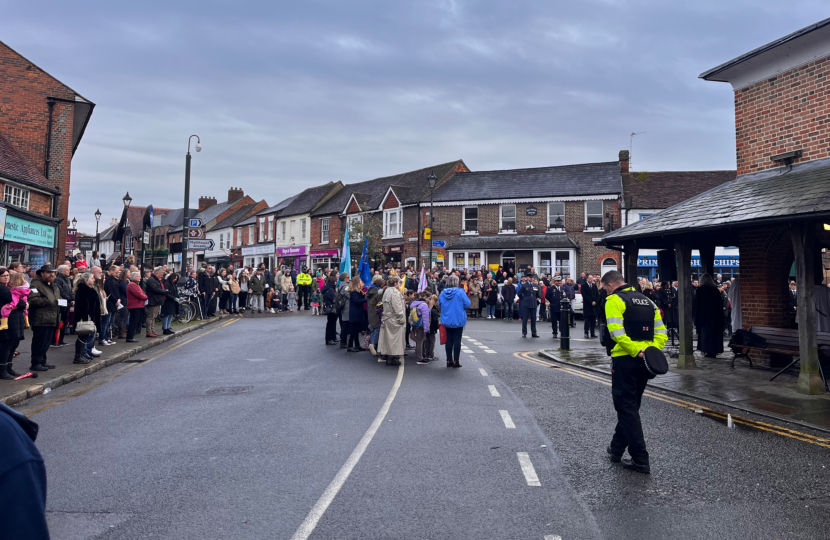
x,y
357,314
87,307
171,305
709,317
11,337
329,293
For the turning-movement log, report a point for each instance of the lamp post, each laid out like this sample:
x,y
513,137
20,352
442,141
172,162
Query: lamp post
x,y
74,223
97,221
432,179
186,217
126,199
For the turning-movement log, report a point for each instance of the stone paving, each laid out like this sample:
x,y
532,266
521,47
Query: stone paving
x,y
714,380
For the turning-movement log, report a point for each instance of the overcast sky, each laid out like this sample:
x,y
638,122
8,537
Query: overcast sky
x,y
288,95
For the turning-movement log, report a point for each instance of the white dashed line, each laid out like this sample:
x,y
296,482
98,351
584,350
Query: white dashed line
x,y
528,470
493,391
483,373
490,351
552,537
483,347
508,422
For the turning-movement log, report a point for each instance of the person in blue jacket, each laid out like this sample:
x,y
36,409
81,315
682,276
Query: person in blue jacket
x,y
454,303
529,294
22,479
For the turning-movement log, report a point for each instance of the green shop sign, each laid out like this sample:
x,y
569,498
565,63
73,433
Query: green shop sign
x,y
29,232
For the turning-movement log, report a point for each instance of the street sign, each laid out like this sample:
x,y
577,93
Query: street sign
x,y
195,222
439,243
85,243
146,237
199,245
195,233
427,233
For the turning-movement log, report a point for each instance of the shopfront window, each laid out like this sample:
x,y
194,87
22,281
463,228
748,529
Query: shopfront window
x,y
563,263
545,265
459,261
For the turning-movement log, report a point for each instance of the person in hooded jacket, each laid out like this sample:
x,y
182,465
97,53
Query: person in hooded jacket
x,y
329,296
344,297
373,296
421,327
454,304
171,305
87,308
22,479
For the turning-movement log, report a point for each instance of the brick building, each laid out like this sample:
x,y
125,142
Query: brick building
x,y
387,207
253,237
776,211
292,231
548,218
42,122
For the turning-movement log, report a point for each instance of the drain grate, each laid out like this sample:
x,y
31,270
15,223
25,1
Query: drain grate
x,y
229,390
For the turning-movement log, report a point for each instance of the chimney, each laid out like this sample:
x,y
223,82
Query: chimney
x,y
235,193
206,202
114,222
624,161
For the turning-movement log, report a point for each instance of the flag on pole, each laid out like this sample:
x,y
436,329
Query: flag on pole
x,y
364,271
346,258
423,284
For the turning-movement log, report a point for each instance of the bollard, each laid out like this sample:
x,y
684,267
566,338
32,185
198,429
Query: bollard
x,y
565,325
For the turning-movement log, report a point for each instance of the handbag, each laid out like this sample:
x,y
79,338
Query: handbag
x,y
442,333
85,328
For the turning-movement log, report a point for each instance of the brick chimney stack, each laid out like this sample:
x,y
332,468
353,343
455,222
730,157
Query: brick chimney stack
x,y
624,161
206,202
235,194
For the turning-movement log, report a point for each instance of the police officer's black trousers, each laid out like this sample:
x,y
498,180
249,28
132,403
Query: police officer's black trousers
x,y
555,317
305,291
628,382
528,313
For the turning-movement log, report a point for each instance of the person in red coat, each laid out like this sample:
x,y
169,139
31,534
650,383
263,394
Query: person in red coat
x,y
135,303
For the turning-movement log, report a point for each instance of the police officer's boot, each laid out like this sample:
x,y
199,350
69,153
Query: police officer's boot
x,y
631,465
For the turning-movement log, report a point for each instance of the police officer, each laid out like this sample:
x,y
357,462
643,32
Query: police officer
x,y
634,323
304,286
555,295
529,294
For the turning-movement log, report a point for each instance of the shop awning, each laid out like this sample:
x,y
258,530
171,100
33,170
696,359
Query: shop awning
x,y
513,242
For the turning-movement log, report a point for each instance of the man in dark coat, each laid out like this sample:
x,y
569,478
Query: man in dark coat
x,y
792,305
709,317
529,295
65,287
554,296
590,301
44,313
508,294
205,290
156,295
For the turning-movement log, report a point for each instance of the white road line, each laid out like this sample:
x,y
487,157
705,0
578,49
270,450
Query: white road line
x,y
307,527
483,347
483,373
490,351
493,391
508,422
528,470
552,537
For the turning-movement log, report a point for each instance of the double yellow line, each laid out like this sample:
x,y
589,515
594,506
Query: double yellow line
x,y
763,426
124,368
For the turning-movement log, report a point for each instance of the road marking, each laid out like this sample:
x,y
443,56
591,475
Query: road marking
x,y
528,470
307,527
763,426
489,351
493,391
552,537
483,373
508,422
483,347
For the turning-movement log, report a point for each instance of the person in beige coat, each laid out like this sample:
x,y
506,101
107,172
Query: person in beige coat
x,y
393,323
285,286
475,296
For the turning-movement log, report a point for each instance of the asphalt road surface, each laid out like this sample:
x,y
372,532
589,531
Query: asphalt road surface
x,y
255,429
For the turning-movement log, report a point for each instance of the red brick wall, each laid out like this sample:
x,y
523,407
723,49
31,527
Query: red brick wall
x,y
335,231
353,208
780,114
391,202
24,117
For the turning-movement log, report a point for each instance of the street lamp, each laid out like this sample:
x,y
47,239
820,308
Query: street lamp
x,y
185,217
126,199
74,223
97,221
432,180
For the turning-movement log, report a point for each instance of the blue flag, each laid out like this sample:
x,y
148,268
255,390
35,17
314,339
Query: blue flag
x,y
364,271
346,259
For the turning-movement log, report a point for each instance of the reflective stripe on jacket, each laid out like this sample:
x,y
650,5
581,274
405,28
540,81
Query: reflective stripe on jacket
x,y
615,316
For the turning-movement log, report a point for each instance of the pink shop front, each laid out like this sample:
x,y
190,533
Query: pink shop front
x,y
325,259
295,257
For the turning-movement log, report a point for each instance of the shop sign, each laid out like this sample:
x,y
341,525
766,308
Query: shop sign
x,y
71,239
266,249
326,253
37,257
85,243
723,262
531,210
17,249
293,251
29,232
392,249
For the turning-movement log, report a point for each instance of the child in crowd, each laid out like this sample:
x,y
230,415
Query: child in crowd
x,y
434,320
292,299
315,303
20,293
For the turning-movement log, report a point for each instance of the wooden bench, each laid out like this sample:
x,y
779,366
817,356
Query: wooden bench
x,y
781,341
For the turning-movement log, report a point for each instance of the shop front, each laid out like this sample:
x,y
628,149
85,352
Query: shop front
x,y
325,259
466,260
547,253
437,258
393,255
294,257
727,266
252,256
27,240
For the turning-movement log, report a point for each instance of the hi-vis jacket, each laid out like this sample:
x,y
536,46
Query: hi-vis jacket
x,y
615,308
303,279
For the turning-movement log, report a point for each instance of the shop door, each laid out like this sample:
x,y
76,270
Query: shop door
x,y
508,261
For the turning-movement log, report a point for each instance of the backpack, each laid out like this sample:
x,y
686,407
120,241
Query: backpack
x,y
415,320
340,301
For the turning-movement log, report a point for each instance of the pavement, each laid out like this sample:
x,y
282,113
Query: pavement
x,y
254,428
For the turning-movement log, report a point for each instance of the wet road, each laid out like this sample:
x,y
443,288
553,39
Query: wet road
x,y
256,429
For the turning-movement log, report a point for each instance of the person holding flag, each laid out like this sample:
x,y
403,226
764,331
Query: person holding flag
x,y
363,270
346,259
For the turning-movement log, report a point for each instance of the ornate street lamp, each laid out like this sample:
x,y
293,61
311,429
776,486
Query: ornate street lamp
x,y
97,221
432,180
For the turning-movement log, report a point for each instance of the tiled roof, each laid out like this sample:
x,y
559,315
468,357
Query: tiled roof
x,y
775,195
135,215
14,166
665,189
304,202
234,218
174,218
210,213
560,181
371,192
514,241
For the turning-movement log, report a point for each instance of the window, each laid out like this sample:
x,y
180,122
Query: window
x,y
470,220
351,220
16,196
563,263
302,229
644,216
251,233
271,231
392,226
262,235
593,215
282,231
556,216
507,218
221,242
324,231
292,229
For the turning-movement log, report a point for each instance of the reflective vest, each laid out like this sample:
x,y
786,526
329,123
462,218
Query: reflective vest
x,y
303,279
634,322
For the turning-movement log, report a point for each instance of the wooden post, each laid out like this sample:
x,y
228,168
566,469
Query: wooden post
x,y
809,380
631,254
707,259
686,358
